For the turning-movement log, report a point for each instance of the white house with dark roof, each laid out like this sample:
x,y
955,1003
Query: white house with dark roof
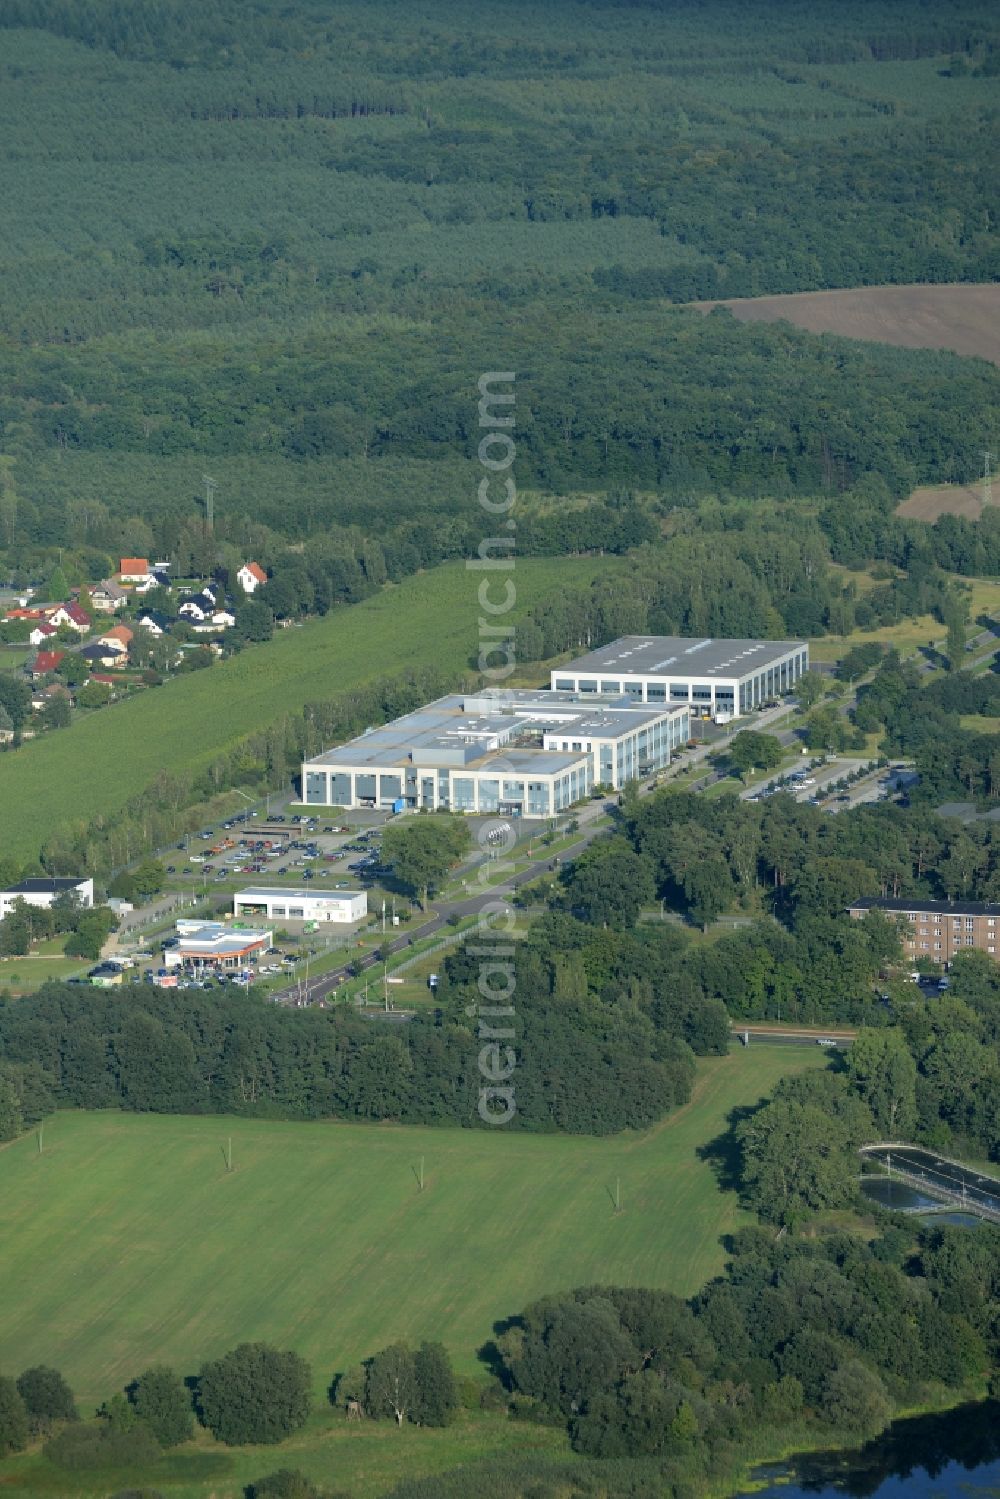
x,y
42,892
198,606
154,621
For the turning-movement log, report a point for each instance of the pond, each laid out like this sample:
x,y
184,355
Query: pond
x,y
933,1170
889,1192
955,1455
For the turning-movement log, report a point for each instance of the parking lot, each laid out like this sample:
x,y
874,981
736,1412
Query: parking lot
x,y
288,849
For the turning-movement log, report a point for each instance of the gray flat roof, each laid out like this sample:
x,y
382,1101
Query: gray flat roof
x,y
275,892
680,657
605,725
482,724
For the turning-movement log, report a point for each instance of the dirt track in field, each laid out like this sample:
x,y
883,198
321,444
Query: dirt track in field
x,y
963,318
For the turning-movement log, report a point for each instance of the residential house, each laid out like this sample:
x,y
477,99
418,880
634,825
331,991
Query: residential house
x,y
24,613
251,576
108,596
134,569
42,663
153,620
69,614
151,581
42,633
44,695
198,607
96,654
219,619
118,639
161,578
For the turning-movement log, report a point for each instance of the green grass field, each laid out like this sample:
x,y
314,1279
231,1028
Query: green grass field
x,y
26,974
428,620
126,1241
909,634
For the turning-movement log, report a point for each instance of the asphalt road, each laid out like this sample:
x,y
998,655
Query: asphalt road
x,y
319,988
793,1036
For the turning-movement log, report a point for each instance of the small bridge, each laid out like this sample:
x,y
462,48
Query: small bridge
x,y
949,1182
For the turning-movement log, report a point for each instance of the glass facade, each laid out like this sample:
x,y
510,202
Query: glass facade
x,y
538,802
463,794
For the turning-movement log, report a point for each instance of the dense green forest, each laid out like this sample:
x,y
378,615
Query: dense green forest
x,y
283,242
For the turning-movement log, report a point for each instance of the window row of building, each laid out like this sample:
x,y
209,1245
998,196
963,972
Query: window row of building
x,y
514,753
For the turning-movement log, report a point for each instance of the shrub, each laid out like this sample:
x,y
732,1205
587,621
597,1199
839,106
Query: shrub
x,y
161,1398
13,1418
855,1399
101,1444
254,1394
286,1483
47,1397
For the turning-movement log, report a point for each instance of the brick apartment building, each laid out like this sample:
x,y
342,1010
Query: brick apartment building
x,y
938,929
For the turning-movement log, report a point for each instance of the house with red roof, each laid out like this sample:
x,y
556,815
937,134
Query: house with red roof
x,y
250,576
43,663
42,632
117,639
69,614
134,569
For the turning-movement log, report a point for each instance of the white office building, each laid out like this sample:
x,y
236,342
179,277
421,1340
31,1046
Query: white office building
x,y
510,752
276,904
714,677
42,892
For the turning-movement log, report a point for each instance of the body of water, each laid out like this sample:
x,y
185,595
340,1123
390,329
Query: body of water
x,y
955,1455
890,1192
977,1189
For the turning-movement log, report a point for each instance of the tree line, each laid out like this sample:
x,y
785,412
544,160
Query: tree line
x,y
139,1049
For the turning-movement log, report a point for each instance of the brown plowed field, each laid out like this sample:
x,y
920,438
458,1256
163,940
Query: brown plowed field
x,y
943,499
964,318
